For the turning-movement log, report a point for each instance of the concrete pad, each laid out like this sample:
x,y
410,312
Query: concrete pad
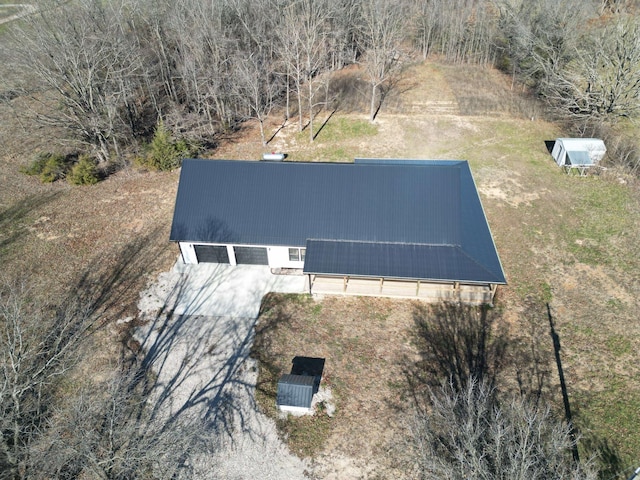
x,y
213,289
198,338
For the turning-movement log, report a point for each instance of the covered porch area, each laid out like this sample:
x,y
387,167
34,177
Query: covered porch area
x,y
473,294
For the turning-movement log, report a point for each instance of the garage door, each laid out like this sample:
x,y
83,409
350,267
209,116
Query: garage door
x,y
211,253
251,255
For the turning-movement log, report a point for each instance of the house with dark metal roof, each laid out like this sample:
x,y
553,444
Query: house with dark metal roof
x,y
402,228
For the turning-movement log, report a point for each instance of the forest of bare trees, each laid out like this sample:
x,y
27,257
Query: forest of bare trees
x,y
107,73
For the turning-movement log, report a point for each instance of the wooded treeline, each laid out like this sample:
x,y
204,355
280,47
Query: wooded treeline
x,y
108,72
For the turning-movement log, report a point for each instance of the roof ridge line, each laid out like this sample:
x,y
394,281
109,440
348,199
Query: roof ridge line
x,y
384,243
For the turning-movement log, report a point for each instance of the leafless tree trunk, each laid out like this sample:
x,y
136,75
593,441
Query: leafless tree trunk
x,y
304,49
257,86
540,38
381,33
109,431
37,348
83,54
204,105
604,79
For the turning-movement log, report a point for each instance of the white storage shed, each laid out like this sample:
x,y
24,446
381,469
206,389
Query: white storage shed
x,y
578,153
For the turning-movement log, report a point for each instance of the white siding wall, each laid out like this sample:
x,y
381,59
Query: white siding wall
x,y
296,411
278,256
232,255
188,252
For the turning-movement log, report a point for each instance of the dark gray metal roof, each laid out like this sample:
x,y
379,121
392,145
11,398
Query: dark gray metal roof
x,y
295,391
412,203
396,260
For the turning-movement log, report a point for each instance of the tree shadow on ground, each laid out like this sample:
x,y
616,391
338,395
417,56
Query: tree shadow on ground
x,y
65,336
198,361
532,358
272,317
324,123
531,352
110,283
187,377
179,376
13,224
456,343
606,456
277,131
390,93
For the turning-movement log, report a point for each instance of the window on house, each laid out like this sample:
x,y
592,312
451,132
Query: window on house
x,y
297,254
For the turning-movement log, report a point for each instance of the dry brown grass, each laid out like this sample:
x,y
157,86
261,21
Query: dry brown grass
x,y
366,343
571,241
101,244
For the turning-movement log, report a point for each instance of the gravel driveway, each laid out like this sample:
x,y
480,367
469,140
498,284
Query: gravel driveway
x,y
198,335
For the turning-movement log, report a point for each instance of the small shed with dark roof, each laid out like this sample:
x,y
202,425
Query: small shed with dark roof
x,y
402,228
295,393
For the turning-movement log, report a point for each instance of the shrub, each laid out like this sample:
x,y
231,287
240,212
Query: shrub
x,y
48,166
165,152
84,172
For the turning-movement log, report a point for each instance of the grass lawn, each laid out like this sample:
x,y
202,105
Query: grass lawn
x,y
568,240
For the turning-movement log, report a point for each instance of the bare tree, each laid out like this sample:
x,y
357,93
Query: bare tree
x,y
468,433
342,32
291,56
89,71
604,79
257,87
381,29
540,38
111,431
424,18
304,50
461,30
38,345
203,70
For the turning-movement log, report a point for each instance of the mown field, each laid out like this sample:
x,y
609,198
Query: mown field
x,y
568,241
